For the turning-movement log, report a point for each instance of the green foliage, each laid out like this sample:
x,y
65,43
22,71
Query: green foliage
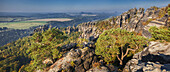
x,y
27,54
168,10
160,34
44,45
161,13
13,55
72,63
80,42
72,38
155,8
104,25
129,19
147,22
111,42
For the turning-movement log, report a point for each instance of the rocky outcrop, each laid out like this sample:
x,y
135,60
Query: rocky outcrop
x,y
139,21
103,68
78,60
158,16
89,30
48,61
155,58
70,29
68,47
133,20
41,28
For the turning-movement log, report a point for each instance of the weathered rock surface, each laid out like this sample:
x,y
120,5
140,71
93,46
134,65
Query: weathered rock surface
x,y
48,61
89,30
155,58
78,60
140,21
100,69
68,46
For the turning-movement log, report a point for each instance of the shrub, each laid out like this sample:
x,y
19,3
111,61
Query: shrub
x,y
168,10
147,22
117,44
72,63
103,25
162,13
80,42
44,45
160,34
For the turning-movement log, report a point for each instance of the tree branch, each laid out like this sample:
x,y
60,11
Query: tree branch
x,y
137,47
118,58
122,53
128,51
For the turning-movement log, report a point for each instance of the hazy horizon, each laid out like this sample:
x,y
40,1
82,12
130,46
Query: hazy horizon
x,y
53,6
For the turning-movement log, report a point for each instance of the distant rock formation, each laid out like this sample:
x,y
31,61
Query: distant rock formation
x,y
41,28
89,30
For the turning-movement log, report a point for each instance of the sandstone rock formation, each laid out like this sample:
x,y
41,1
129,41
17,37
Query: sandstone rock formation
x,y
78,60
48,61
89,30
140,21
155,58
41,28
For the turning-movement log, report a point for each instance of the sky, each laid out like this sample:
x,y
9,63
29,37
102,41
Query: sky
x,y
77,5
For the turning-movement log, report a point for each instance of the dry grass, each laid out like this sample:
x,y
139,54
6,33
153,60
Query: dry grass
x,y
31,23
22,24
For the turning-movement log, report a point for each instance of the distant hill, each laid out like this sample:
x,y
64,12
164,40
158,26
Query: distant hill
x,y
16,22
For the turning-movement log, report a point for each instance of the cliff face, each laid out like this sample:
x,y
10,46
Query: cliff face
x,y
134,20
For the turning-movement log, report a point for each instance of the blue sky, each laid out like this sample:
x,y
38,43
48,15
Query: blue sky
x,y
76,5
